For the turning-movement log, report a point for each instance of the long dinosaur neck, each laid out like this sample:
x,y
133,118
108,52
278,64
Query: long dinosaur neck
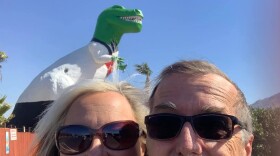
x,y
107,34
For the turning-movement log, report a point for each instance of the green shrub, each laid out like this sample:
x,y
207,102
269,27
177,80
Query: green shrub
x,y
266,123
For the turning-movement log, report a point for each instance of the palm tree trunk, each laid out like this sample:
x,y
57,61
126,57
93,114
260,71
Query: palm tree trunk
x,y
147,85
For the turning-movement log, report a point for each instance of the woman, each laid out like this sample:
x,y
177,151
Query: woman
x,y
94,118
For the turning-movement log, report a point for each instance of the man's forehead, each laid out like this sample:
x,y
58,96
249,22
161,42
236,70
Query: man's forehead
x,y
215,88
209,83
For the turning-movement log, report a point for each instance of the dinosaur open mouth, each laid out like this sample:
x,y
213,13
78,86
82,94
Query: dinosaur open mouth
x,y
136,19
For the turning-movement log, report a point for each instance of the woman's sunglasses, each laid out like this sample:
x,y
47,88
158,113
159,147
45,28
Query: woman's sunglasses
x,y
76,139
208,126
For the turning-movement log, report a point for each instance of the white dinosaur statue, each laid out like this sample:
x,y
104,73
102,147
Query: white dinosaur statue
x,y
92,61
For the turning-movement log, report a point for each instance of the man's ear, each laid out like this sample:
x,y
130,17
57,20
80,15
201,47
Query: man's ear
x,y
249,145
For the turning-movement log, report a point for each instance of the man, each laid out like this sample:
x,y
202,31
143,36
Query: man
x,y
197,110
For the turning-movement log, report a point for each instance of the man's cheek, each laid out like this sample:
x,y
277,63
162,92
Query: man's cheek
x,y
159,148
235,146
150,147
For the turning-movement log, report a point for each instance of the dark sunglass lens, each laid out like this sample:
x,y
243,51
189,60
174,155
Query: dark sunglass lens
x,y
73,139
163,126
213,127
120,135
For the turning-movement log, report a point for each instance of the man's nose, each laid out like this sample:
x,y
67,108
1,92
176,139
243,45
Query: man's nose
x,y
188,143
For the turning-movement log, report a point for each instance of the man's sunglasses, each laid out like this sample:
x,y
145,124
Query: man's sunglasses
x,y
210,126
76,139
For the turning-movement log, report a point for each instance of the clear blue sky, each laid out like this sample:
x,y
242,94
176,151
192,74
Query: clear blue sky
x,y
228,33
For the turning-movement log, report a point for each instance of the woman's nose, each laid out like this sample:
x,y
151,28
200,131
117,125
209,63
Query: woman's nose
x,y
96,148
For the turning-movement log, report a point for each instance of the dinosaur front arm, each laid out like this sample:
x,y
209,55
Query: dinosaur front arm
x,y
102,59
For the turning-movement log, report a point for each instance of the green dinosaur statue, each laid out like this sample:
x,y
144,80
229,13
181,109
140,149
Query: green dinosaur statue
x,y
112,23
95,60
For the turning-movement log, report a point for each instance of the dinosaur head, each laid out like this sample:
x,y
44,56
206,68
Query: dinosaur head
x,y
113,22
122,19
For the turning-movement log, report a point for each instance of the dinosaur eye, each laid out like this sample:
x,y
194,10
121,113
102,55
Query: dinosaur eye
x,y
118,7
65,70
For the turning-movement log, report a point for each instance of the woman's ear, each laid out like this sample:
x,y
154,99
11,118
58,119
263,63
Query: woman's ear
x,y
143,148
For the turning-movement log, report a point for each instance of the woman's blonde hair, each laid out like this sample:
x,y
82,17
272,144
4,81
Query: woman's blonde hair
x,y
53,117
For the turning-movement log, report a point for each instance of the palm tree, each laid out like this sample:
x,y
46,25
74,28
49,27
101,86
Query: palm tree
x,y
4,107
144,69
3,57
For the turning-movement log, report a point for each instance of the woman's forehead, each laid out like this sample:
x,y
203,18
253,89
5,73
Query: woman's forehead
x,y
100,108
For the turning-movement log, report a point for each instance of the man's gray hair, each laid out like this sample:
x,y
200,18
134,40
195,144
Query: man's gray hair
x,y
199,68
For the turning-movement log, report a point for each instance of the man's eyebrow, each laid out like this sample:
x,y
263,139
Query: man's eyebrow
x,y
212,109
165,106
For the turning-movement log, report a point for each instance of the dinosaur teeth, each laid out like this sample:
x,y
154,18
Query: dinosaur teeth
x,y
136,19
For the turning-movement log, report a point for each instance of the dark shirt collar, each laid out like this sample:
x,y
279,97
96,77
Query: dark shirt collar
x,y
112,47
